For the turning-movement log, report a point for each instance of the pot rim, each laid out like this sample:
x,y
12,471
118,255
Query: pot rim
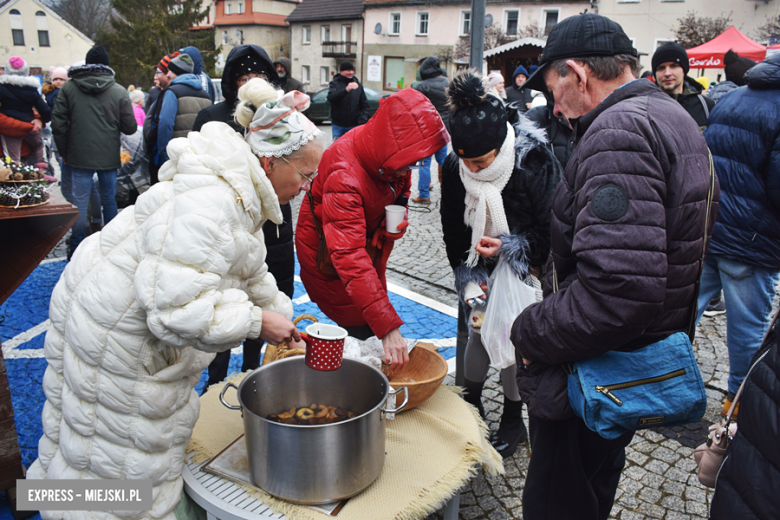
x,y
300,359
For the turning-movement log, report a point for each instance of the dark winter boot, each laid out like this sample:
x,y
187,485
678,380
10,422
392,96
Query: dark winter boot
x,y
473,395
511,430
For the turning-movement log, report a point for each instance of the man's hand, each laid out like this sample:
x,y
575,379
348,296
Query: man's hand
x,y
396,351
352,85
37,127
277,328
488,246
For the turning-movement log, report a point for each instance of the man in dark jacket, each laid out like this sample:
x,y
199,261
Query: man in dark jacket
x,y
432,85
515,93
286,81
244,63
627,237
671,66
90,112
174,112
744,256
348,103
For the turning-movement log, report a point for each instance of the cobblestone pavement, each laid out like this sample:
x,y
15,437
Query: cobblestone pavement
x,y
659,480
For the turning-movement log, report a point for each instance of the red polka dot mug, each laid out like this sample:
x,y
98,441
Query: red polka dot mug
x,y
324,346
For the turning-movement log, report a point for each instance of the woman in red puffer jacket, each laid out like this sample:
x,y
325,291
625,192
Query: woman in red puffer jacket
x,y
361,173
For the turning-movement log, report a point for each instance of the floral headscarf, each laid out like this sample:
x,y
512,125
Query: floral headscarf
x,y
278,128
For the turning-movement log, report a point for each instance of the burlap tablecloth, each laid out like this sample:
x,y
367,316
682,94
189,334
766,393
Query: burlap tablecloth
x,y
431,452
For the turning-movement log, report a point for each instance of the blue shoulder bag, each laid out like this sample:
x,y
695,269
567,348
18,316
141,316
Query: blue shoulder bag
x,y
658,385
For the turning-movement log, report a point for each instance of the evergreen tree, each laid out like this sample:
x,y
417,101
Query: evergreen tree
x,y
143,31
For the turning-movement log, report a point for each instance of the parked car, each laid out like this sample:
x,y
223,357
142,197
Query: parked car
x,y
319,111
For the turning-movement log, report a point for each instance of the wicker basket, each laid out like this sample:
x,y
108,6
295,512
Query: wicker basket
x,y
281,351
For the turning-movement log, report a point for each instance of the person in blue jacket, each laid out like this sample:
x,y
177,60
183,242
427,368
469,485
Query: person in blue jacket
x,y
174,112
744,256
197,69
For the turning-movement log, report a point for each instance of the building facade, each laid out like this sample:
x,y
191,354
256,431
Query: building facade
x,y
650,23
31,30
259,22
400,34
323,34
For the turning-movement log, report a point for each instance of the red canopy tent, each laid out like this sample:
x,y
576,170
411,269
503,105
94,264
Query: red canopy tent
x,y
710,55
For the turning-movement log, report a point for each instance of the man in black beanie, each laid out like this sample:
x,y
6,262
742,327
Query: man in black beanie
x,y
670,68
97,55
348,103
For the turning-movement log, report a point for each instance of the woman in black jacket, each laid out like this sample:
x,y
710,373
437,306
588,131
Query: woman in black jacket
x,y
748,480
497,184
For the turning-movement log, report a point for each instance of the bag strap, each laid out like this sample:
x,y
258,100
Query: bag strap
x,y
734,403
704,104
710,196
317,226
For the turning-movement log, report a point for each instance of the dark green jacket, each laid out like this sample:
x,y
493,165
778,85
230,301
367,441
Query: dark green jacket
x,y
89,113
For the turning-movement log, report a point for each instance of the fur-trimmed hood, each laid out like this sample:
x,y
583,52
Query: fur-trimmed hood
x,y
20,81
527,137
92,78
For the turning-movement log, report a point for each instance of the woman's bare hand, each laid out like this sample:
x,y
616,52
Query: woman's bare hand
x,y
396,351
488,246
277,328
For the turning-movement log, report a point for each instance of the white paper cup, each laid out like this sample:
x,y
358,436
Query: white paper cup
x,y
394,215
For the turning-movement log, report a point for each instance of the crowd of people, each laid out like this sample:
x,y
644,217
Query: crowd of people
x,y
601,195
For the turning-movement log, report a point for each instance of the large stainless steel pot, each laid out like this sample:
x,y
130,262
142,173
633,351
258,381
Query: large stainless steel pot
x,y
314,464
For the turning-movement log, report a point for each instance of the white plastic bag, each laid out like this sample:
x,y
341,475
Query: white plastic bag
x,y
509,296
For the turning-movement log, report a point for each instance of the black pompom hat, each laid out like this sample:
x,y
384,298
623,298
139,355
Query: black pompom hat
x,y
478,122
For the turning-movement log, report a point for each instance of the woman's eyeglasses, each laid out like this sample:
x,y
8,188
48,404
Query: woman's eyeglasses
x,y
241,81
309,179
417,165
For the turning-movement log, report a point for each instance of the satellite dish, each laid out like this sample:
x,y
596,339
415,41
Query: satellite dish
x,y
378,28
488,20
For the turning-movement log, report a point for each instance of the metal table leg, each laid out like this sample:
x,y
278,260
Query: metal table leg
x,y
450,511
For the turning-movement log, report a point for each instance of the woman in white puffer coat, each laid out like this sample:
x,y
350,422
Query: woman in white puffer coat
x,y
143,305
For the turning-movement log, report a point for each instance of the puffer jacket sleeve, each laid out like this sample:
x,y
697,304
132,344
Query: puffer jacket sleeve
x,y
619,285
344,226
60,121
181,287
13,127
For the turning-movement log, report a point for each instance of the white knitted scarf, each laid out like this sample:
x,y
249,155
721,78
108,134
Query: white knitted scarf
x,y
484,206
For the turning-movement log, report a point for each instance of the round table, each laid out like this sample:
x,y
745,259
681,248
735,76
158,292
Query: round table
x,y
224,500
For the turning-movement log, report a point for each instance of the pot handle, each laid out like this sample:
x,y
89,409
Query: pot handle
x,y
222,396
395,392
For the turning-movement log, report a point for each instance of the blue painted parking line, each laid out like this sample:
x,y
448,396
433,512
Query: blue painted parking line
x,y
24,321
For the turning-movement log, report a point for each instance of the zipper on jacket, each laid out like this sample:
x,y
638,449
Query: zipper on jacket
x,y
607,389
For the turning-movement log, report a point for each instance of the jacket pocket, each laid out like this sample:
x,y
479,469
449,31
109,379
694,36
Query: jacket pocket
x,y
544,390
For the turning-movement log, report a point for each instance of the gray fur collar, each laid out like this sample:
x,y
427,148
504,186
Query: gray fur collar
x,y
91,68
19,81
527,137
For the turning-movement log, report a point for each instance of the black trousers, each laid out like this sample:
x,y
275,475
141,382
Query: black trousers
x,y
361,332
218,368
573,473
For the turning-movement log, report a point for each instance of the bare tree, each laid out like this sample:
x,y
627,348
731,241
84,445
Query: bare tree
x,y
445,55
770,30
493,38
88,16
532,30
694,30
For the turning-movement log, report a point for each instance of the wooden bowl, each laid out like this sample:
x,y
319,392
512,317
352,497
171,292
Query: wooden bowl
x,y
422,376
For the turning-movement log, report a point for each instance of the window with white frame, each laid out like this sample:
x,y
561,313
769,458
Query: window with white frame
x,y
421,28
305,74
465,23
550,19
394,28
324,75
511,20
324,33
228,8
239,37
224,38
306,32
240,7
